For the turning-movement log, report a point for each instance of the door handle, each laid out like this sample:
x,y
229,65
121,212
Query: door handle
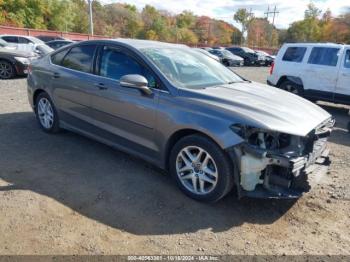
x,y
56,75
101,86
345,74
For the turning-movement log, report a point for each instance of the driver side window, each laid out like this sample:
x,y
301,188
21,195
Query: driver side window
x,y
115,64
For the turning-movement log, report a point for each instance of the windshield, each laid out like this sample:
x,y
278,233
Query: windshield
x,y
36,40
227,53
248,50
3,43
189,69
44,49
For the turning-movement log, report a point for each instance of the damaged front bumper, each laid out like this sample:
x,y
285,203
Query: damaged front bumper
x,y
264,174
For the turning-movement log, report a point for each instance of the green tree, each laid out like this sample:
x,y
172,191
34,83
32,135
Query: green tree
x,y
187,36
243,17
185,20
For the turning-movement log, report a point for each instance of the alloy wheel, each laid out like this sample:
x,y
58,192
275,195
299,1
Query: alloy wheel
x,y
6,70
45,113
196,170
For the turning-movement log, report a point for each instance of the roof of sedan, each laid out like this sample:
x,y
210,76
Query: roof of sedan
x,y
140,44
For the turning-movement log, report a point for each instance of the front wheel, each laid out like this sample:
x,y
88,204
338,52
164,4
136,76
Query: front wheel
x,y
201,168
226,63
46,113
7,70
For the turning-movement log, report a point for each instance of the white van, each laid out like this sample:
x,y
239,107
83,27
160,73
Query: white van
x,y
317,71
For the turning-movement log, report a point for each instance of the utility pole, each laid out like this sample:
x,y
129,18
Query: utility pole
x,y
274,12
90,18
250,17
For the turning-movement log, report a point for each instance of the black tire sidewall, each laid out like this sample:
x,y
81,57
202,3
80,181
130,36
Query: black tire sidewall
x,y
294,85
12,67
55,127
226,63
222,161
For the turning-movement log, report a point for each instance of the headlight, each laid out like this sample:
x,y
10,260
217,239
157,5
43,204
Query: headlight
x,y
23,60
264,139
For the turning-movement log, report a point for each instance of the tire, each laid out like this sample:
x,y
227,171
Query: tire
x,y
291,87
47,117
7,70
226,63
209,188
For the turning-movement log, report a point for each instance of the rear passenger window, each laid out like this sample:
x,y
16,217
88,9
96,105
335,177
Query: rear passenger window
x,y
347,59
80,58
294,54
57,58
324,56
10,39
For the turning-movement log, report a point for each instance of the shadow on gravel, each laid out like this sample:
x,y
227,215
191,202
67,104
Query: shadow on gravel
x,y
111,187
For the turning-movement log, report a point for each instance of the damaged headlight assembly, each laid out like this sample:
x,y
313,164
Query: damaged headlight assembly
x,y
271,160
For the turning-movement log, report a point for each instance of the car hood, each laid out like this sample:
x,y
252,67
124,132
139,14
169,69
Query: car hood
x,y
262,106
236,57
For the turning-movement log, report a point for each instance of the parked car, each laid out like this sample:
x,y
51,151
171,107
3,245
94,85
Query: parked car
x,y
314,71
249,55
48,38
184,112
27,43
42,50
227,58
14,63
21,39
205,52
269,59
55,44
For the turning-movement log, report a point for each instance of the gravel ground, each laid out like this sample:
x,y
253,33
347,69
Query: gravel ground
x,y
65,194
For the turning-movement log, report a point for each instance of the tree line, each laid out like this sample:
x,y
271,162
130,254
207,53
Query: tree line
x,y
315,27
125,20
118,20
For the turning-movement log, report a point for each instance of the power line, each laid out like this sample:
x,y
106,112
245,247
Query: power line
x,y
274,12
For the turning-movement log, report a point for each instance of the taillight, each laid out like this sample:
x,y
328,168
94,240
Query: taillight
x,y
29,68
272,67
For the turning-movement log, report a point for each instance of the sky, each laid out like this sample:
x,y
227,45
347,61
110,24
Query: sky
x,y
289,10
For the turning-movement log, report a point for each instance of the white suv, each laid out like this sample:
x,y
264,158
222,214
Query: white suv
x,y
27,43
314,71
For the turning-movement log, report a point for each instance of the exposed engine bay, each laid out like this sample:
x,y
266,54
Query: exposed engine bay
x,y
274,164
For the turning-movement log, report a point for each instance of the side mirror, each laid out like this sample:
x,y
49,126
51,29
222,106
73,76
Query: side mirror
x,y
137,82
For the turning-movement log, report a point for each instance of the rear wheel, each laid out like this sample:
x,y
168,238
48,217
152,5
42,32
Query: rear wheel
x,y
46,113
226,63
201,168
291,87
7,70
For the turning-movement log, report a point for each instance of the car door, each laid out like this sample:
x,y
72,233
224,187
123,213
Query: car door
x,y
126,113
321,71
73,82
342,92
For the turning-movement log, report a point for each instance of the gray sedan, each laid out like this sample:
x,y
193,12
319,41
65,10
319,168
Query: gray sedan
x,y
183,112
